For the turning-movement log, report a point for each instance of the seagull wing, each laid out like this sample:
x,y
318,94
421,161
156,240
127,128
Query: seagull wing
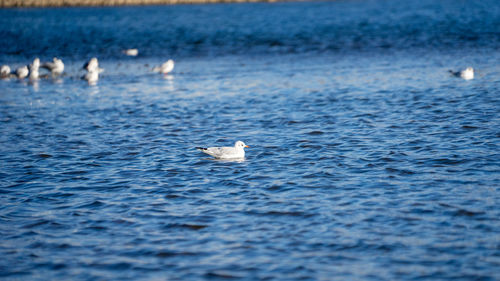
x,y
219,152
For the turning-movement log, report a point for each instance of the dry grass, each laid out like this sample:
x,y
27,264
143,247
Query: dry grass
x,y
70,3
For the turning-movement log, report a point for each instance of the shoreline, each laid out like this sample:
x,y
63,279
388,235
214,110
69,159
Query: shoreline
x,y
89,3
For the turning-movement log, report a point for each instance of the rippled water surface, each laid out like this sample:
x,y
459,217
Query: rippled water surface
x,y
367,160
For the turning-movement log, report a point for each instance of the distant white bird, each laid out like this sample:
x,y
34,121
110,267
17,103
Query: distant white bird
x,y
56,67
33,68
165,68
238,151
5,71
466,74
131,52
93,70
22,72
91,77
92,65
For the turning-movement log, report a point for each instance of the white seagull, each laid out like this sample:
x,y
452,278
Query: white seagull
x,y
466,74
91,77
165,68
238,151
22,72
5,71
92,65
131,52
93,70
56,67
34,67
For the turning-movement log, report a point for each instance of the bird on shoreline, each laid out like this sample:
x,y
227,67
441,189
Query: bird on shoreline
x,y
238,151
56,67
466,74
165,68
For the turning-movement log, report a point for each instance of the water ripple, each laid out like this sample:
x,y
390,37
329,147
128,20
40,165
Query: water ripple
x,y
367,161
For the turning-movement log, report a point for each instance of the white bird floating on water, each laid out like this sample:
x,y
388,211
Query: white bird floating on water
x,y
466,74
165,68
91,77
33,68
56,67
22,72
4,71
236,152
92,65
131,52
93,70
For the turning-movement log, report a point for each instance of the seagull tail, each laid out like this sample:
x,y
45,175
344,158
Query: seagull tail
x,y
201,148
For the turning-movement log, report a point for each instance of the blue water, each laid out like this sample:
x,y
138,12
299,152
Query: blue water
x,y
367,160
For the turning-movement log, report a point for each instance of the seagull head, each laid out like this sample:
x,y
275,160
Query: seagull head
x,y
240,144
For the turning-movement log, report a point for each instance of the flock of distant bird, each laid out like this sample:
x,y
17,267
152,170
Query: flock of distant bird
x,y
56,68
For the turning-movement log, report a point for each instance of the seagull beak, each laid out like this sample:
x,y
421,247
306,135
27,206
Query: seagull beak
x,y
247,146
